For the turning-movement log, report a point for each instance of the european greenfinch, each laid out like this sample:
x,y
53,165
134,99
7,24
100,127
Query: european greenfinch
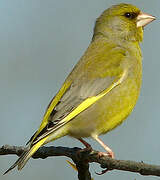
x,y
102,89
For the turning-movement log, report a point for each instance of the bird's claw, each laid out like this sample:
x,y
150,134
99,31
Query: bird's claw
x,y
102,172
109,154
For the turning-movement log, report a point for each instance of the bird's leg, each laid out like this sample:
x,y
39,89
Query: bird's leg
x,y
109,153
88,146
84,143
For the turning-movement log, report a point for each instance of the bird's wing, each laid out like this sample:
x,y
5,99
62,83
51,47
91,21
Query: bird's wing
x,y
50,110
78,94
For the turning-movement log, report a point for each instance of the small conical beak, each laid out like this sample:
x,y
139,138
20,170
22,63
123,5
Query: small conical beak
x,y
143,19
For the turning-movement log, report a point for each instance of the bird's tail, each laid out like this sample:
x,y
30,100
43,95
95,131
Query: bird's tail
x,y
26,155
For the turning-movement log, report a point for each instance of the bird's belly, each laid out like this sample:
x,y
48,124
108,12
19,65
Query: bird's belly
x,y
107,113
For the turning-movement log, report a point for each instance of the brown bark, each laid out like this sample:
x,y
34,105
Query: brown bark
x,y
82,158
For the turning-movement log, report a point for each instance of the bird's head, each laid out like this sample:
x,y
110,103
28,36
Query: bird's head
x,y
122,21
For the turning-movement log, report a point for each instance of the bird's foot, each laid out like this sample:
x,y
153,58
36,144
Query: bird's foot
x,y
109,154
87,149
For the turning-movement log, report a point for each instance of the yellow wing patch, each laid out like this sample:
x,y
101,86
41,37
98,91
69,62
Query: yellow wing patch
x,y
52,105
91,100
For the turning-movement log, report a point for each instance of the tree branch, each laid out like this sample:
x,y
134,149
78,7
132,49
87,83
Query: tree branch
x,y
82,158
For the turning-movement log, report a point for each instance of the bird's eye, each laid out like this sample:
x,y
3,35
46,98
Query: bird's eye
x,y
130,15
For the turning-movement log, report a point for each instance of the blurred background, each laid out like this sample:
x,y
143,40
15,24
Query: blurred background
x,y
40,42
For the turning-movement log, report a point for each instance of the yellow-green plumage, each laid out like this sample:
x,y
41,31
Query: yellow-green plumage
x,y
112,109
103,87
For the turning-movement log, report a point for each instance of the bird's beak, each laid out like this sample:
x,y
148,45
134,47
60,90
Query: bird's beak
x,y
143,19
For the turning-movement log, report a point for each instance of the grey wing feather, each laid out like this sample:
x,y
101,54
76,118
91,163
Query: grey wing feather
x,y
76,94
84,84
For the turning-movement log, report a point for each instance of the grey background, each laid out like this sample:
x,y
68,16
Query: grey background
x,y
40,42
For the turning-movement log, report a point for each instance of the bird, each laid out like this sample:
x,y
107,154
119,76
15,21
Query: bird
x,y
103,87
